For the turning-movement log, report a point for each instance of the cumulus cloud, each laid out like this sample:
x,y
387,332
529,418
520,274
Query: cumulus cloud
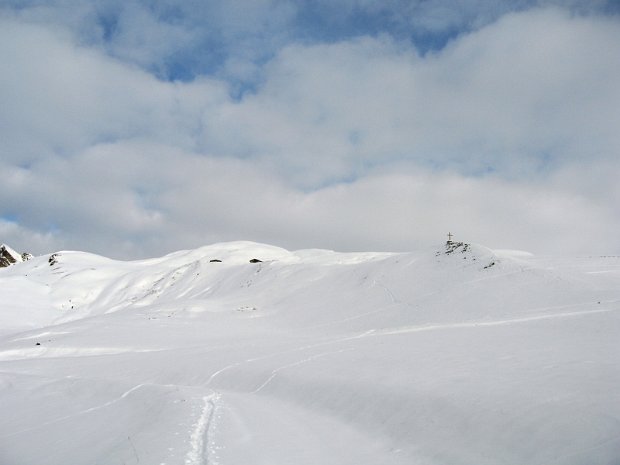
x,y
173,40
232,38
58,97
506,136
530,90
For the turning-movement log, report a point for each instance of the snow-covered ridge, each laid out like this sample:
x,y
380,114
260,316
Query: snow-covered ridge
x,y
81,284
9,257
76,285
455,354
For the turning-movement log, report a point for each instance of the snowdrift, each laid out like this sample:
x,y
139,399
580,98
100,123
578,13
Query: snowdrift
x,y
248,353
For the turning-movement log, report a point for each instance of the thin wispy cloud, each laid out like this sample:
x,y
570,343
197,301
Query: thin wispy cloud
x,y
135,128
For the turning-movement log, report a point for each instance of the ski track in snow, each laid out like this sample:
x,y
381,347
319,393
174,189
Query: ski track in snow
x,y
260,366
480,324
66,352
40,335
394,331
199,439
588,450
297,363
82,412
329,341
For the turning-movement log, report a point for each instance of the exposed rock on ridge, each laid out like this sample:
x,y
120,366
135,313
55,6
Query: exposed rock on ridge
x,y
9,257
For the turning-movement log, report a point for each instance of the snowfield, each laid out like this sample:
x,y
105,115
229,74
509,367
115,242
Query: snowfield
x,y
457,355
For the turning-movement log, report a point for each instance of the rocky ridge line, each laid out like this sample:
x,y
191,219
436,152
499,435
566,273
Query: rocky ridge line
x,y
9,257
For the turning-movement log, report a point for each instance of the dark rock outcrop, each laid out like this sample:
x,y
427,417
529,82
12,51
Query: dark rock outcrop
x,y
9,257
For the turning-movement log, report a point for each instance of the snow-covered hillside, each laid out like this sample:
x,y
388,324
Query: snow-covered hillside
x,y
458,355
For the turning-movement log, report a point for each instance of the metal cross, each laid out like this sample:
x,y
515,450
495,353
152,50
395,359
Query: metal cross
x,y
449,237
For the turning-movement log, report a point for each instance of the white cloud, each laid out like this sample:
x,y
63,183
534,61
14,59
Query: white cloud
x,y
172,39
533,89
507,137
140,37
60,97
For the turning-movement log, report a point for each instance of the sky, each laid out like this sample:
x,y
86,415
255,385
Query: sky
x,y
134,128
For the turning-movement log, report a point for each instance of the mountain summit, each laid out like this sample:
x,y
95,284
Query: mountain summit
x,y
9,257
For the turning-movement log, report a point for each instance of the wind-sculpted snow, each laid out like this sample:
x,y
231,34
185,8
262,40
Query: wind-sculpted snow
x,y
459,355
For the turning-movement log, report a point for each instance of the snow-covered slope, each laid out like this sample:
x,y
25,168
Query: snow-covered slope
x,y
459,355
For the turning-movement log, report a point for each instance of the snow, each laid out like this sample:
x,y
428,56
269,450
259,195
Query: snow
x,y
469,357
512,253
